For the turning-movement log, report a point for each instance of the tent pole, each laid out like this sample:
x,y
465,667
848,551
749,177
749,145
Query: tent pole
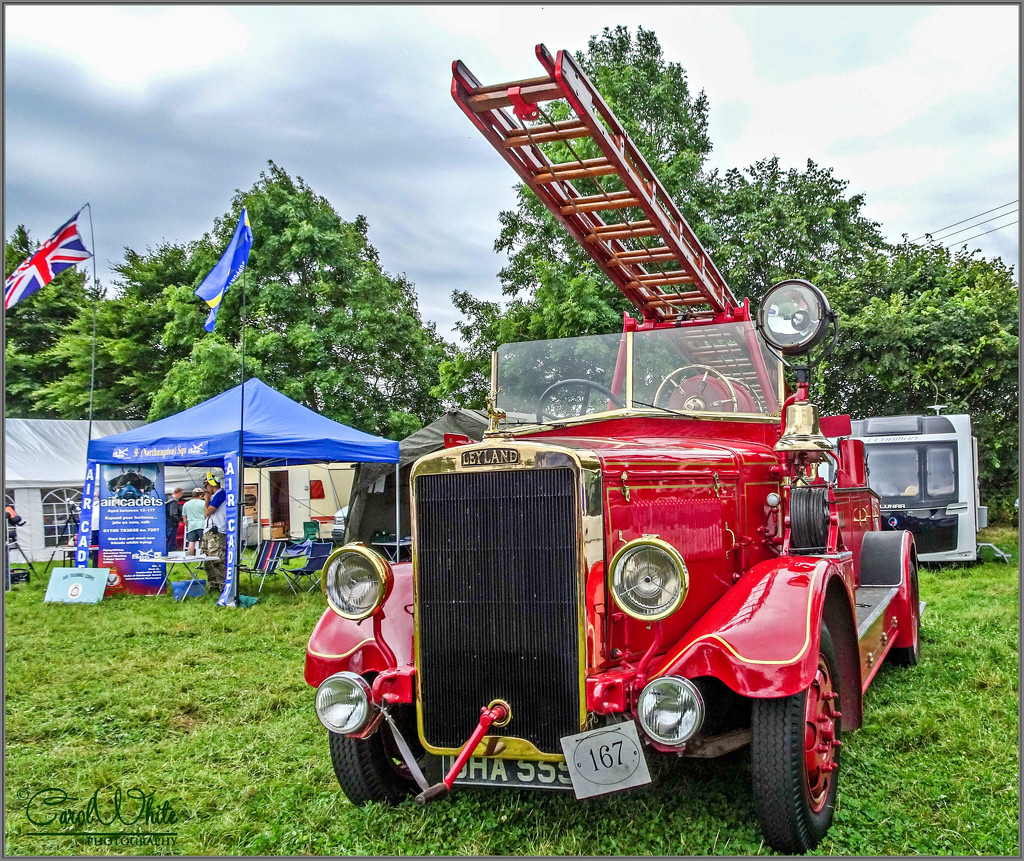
x,y
334,490
398,509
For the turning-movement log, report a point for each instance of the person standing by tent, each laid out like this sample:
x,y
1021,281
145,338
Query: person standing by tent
x,y
173,512
194,512
215,540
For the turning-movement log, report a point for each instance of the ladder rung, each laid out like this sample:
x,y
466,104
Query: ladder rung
x,y
660,252
660,279
576,170
597,203
486,89
547,133
622,231
542,92
695,298
653,294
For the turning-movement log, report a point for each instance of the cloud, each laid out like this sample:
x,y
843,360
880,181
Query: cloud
x,y
129,48
157,115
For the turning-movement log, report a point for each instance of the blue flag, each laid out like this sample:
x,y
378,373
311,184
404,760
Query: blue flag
x,y
227,270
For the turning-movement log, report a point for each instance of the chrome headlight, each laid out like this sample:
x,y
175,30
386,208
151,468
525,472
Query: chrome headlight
x,y
649,579
671,710
343,702
357,581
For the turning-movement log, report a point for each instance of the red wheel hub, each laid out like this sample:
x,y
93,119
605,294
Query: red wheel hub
x,y
821,744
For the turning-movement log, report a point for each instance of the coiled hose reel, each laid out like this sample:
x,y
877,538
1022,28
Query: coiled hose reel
x,y
808,519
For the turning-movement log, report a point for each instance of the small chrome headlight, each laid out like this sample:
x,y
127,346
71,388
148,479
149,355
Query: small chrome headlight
x,y
357,581
649,579
671,710
343,702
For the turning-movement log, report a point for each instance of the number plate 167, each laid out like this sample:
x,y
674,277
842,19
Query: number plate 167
x,y
605,760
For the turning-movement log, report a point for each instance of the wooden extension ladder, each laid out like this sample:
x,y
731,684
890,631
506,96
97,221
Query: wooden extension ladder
x,y
623,216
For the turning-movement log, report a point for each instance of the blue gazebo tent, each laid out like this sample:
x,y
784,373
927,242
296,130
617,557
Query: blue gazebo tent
x,y
258,428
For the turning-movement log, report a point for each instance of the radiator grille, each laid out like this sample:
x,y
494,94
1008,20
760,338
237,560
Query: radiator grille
x,y
498,603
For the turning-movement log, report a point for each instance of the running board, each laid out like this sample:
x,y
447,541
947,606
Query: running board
x,y
872,601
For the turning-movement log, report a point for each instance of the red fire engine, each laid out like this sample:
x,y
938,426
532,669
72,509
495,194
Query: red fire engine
x,y
640,559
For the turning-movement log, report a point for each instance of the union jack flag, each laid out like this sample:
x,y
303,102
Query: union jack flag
x,y
65,248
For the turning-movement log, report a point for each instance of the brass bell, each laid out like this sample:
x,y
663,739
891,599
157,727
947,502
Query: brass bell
x,y
803,431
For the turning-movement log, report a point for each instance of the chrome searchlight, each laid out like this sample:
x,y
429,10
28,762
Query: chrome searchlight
x,y
343,702
671,710
794,316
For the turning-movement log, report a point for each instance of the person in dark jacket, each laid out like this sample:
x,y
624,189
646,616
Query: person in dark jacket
x,y
173,511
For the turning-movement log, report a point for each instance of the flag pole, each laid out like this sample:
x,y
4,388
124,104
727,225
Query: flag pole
x,y
92,367
241,453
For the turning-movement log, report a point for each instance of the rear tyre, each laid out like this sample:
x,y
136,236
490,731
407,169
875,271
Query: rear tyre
x,y
795,757
371,769
908,656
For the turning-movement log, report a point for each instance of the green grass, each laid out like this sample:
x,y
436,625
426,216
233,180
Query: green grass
x,y
208,710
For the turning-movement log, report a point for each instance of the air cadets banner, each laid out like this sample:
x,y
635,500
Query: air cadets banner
x,y
85,516
232,468
132,526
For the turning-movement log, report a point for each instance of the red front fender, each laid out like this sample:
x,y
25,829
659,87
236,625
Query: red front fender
x,y
339,644
761,637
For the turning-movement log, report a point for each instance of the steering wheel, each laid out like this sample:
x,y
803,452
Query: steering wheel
x,y
694,390
561,384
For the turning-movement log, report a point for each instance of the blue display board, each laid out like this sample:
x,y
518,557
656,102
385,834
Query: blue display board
x,y
77,585
132,525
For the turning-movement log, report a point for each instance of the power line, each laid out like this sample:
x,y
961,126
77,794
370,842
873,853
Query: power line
x,y
969,238
955,223
972,226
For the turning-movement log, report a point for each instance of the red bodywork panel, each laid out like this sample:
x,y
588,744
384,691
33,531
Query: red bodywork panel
x,y
338,644
761,638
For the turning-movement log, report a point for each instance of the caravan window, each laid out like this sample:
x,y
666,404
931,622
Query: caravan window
x,y
916,474
894,472
940,473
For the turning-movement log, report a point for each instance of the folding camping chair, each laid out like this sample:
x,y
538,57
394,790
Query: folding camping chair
x,y
314,564
311,530
251,567
267,561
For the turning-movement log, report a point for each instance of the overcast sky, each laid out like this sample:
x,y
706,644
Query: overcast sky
x,y
157,114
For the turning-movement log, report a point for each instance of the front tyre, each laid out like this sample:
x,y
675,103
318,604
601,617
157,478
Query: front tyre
x,y
795,757
371,769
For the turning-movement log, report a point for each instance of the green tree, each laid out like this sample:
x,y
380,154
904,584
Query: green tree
x,y
324,323
765,224
143,328
919,326
33,327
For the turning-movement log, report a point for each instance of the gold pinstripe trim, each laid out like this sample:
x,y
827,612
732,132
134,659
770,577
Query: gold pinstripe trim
x,y
610,490
351,651
682,463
